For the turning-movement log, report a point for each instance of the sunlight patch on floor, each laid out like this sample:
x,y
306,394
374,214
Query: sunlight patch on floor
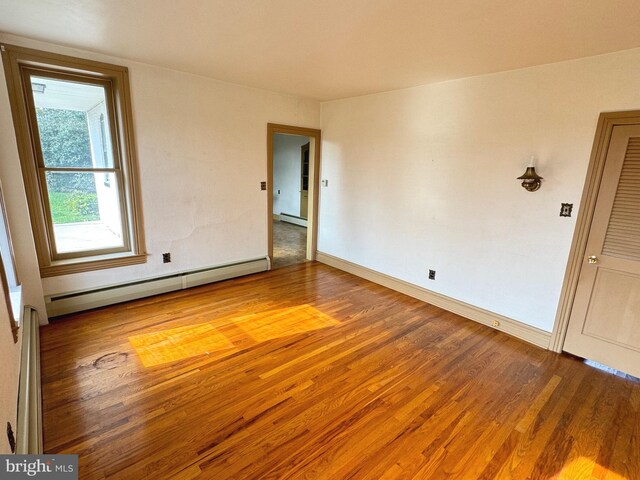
x,y
157,348
272,324
586,468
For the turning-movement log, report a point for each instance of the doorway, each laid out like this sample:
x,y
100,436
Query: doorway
x,y
292,181
602,320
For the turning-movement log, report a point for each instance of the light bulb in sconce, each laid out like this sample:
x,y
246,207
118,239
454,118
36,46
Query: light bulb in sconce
x,y
531,181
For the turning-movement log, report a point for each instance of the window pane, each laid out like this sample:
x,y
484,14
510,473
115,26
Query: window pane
x,y
85,208
73,123
5,251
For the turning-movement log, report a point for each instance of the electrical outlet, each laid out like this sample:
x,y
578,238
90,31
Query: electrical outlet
x,y
166,257
263,185
432,274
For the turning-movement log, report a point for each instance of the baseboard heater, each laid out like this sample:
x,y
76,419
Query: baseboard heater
x,y
285,217
29,429
64,303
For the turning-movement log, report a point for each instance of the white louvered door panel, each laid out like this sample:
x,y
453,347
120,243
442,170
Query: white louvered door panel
x,y
622,239
605,318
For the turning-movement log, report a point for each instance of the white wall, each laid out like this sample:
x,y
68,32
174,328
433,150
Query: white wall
x,y
202,150
286,173
426,178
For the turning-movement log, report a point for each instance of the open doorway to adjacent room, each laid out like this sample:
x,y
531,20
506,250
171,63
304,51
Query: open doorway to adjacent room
x,y
290,198
292,202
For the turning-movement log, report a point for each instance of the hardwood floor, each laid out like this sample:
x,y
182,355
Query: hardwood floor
x,y
309,372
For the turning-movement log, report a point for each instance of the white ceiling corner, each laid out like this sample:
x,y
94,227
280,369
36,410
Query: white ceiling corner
x,y
329,49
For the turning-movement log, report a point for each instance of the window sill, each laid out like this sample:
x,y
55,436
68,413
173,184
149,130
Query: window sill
x,y
66,267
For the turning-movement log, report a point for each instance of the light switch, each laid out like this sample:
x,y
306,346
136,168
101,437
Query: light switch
x,y
565,209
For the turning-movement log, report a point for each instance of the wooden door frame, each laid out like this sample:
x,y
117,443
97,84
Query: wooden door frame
x,y
306,147
606,122
272,129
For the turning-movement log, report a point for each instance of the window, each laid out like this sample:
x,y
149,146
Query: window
x,y
73,125
8,274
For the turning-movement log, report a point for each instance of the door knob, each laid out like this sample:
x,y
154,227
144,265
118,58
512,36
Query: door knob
x,y
592,259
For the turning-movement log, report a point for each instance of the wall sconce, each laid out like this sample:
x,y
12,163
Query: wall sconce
x,y
531,181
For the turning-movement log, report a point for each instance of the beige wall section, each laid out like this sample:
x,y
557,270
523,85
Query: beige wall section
x,y
9,374
202,156
425,178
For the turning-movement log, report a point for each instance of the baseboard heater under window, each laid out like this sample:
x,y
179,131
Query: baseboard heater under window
x,y
64,303
29,429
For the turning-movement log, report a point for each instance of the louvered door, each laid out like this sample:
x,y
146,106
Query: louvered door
x,y
605,318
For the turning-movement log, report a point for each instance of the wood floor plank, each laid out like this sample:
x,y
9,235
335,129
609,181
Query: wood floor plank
x,y
310,372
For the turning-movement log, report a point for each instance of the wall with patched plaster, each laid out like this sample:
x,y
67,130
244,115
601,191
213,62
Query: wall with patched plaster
x,y
202,153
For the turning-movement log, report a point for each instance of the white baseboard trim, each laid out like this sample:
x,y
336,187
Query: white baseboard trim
x,y
29,430
69,302
508,325
285,217
275,216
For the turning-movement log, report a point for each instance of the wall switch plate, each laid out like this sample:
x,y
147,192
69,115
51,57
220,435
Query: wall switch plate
x,y
432,274
166,257
325,183
565,209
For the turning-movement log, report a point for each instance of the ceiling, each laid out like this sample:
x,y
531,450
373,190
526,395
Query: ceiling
x,y
329,49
